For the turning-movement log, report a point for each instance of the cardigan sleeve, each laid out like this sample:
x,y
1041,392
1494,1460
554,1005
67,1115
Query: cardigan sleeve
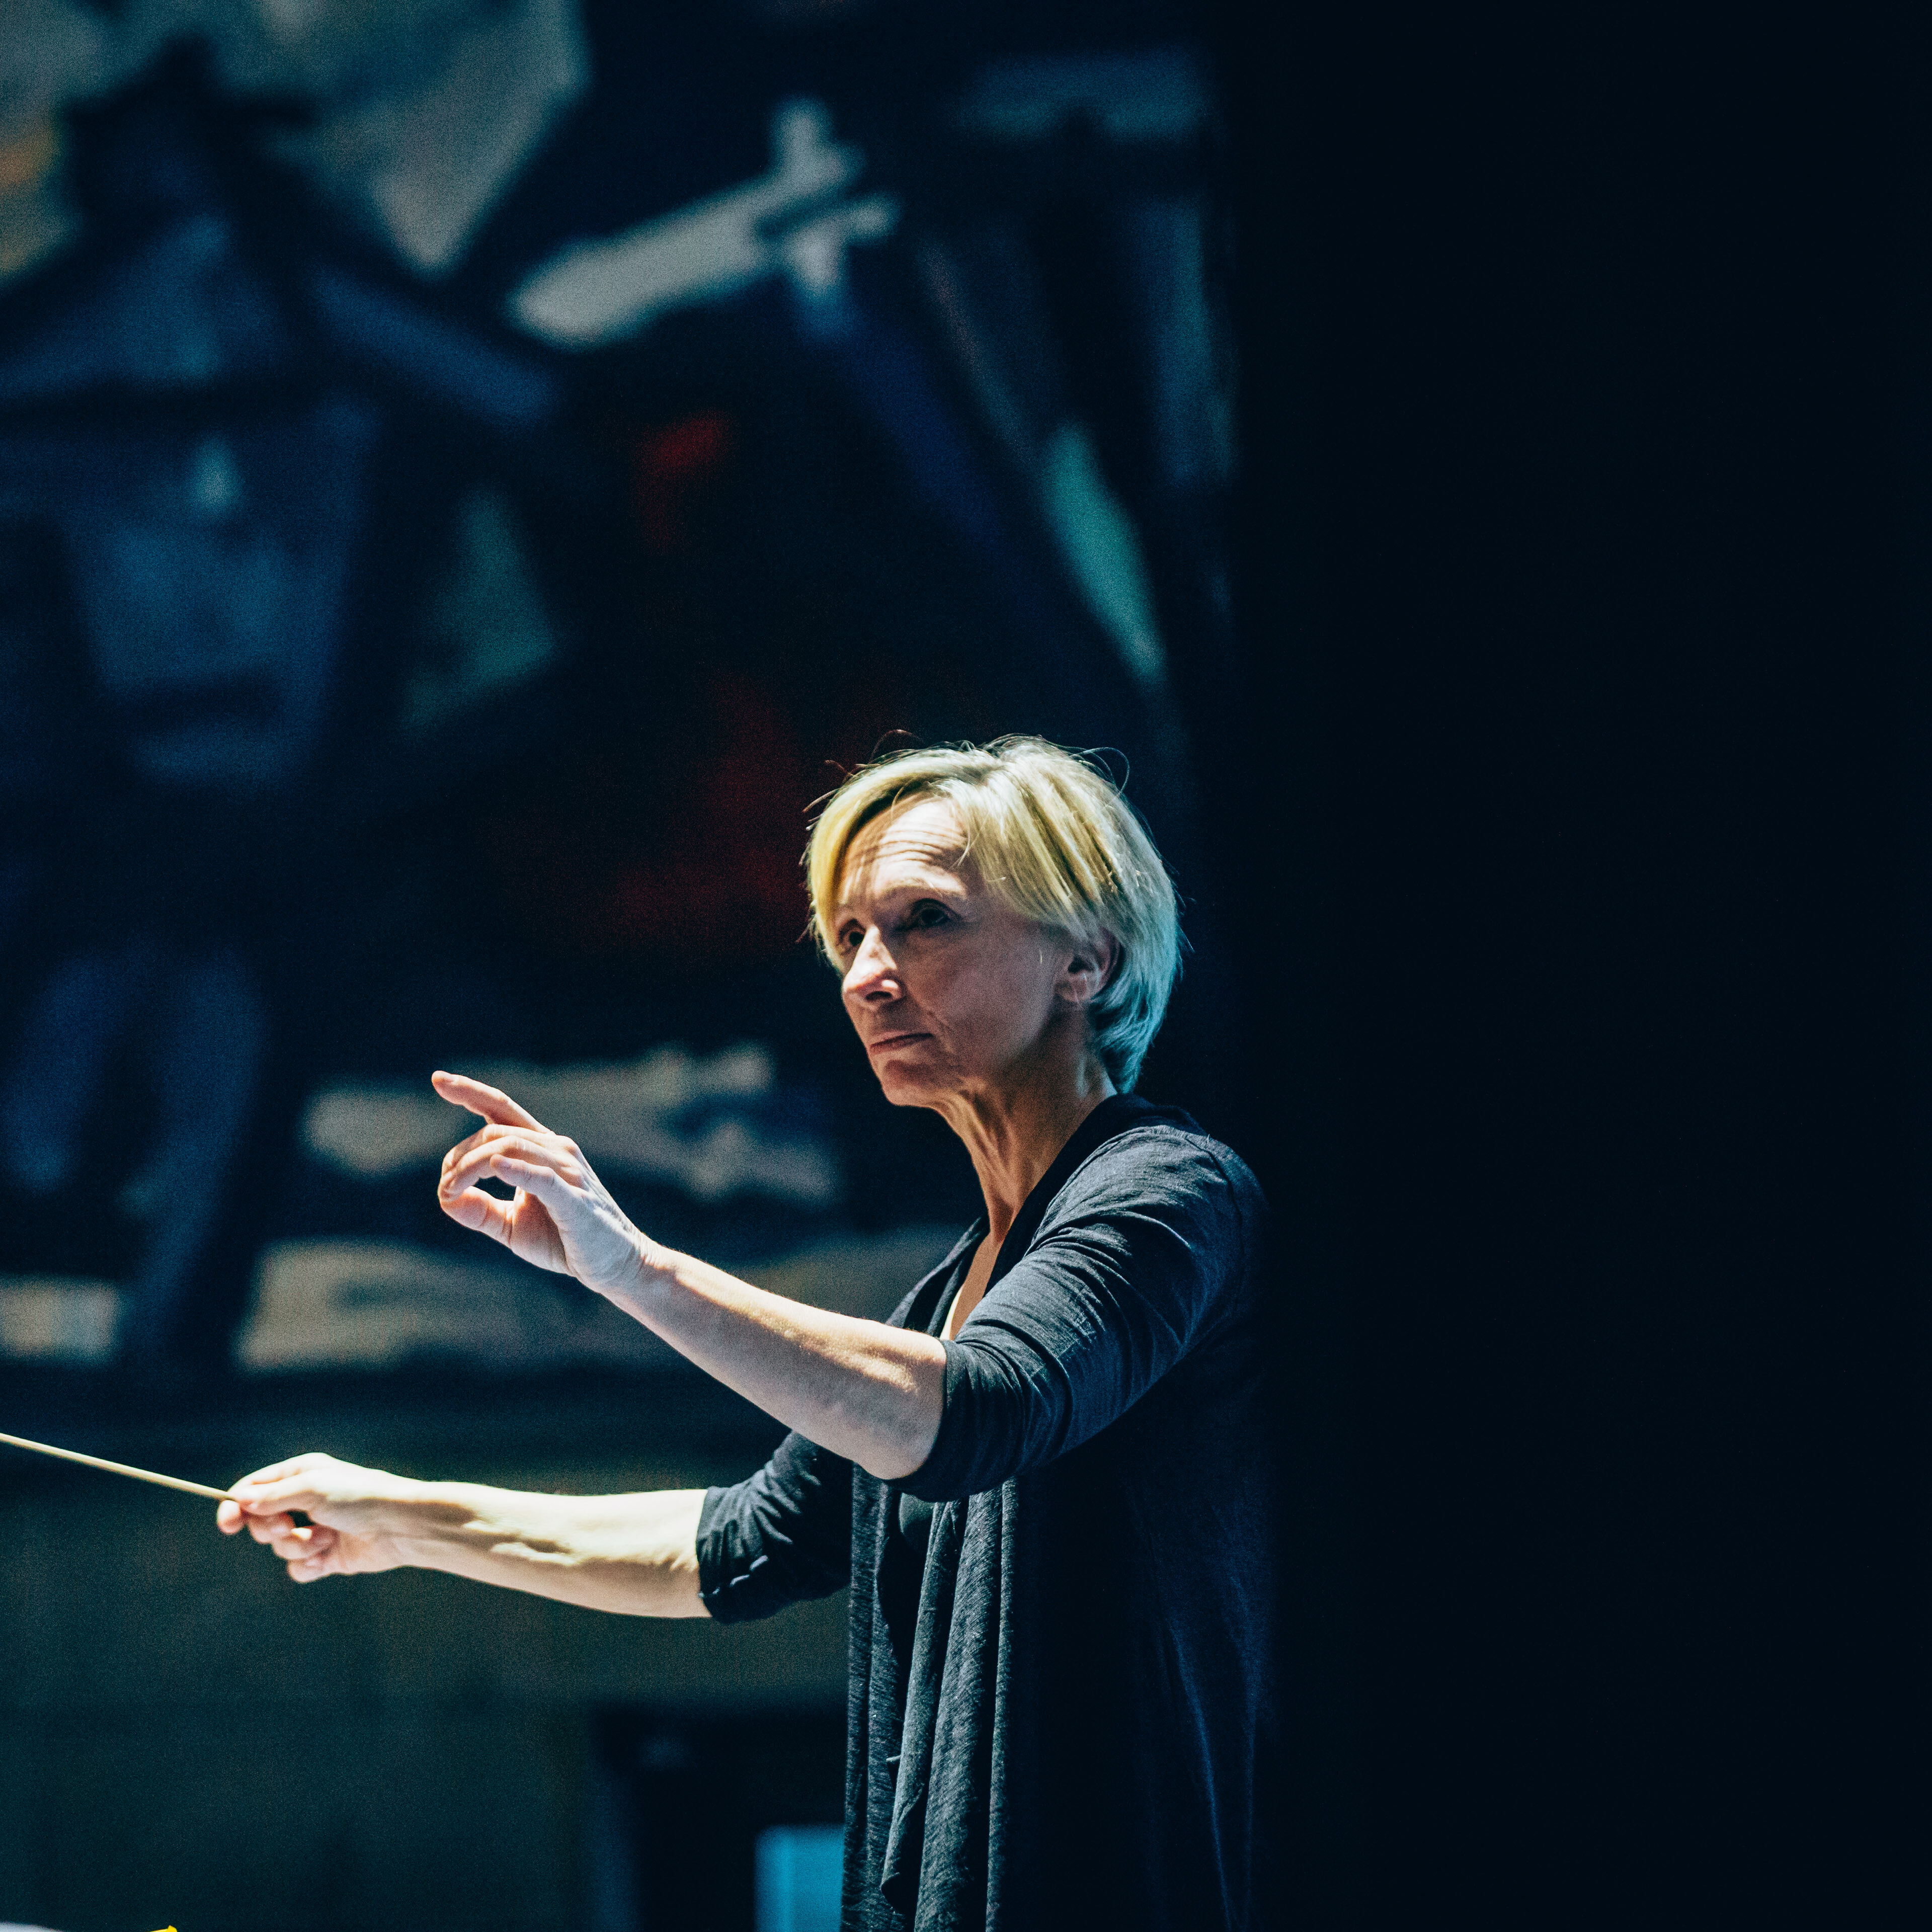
x,y
785,1533
780,1536
1137,1255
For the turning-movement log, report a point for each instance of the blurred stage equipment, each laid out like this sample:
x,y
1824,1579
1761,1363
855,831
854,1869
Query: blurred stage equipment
x,y
385,388
791,221
421,113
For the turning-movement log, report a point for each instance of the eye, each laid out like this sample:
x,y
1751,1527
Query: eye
x,y
926,913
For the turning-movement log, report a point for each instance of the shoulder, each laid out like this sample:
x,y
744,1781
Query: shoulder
x,y
1164,1166
1163,1152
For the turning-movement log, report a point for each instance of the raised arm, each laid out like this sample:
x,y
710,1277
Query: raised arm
x,y
635,1554
865,1390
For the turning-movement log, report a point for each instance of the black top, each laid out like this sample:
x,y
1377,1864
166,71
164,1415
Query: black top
x,y
1055,1718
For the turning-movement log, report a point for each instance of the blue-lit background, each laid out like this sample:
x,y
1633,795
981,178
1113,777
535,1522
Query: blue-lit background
x,y
471,475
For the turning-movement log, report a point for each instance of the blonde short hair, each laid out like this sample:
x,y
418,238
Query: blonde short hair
x,y
1052,838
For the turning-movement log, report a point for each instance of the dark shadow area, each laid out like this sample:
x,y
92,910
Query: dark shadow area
x,y
723,1823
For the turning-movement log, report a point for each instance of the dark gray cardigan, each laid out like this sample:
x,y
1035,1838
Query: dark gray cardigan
x,y
1056,1719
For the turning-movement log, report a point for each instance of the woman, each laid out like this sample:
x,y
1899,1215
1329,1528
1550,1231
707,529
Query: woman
x,y
1044,1478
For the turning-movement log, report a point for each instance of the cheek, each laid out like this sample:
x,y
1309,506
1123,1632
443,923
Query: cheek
x,y
1010,998
975,996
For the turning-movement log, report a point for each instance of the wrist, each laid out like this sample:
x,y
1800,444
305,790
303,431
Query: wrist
x,y
653,1273
425,1516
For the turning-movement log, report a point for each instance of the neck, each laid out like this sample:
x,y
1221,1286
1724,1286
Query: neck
x,y
1014,1128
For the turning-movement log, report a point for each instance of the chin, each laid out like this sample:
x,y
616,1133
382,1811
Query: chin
x,y
901,1091
909,1085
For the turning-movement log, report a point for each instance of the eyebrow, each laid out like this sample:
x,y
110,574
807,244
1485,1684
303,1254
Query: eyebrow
x,y
845,906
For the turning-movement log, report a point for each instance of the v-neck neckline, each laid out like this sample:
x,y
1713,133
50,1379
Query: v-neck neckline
x,y
1113,1115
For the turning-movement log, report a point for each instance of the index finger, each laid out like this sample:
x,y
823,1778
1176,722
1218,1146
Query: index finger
x,y
492,1102
271,1498
277,1485
271,1472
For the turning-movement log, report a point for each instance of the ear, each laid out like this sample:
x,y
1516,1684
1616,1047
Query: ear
x,y
1092,965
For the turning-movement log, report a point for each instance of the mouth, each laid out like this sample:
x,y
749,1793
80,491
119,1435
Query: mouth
x,y
894,1040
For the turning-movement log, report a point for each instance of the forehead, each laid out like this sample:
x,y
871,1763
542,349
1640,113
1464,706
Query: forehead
x,y
921,841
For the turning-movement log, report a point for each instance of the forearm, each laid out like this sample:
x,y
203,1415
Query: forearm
x,y
636,1555
866,1391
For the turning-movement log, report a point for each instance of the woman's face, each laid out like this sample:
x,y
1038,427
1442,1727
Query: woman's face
x,y
953,993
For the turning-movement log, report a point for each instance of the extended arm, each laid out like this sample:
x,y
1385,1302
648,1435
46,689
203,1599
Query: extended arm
x,y
633,1554
864,1390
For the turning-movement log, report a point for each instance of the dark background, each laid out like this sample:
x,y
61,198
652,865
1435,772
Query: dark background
x,y
1589,526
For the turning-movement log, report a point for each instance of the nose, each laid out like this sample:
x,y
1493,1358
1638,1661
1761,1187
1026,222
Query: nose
x,y
871,977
